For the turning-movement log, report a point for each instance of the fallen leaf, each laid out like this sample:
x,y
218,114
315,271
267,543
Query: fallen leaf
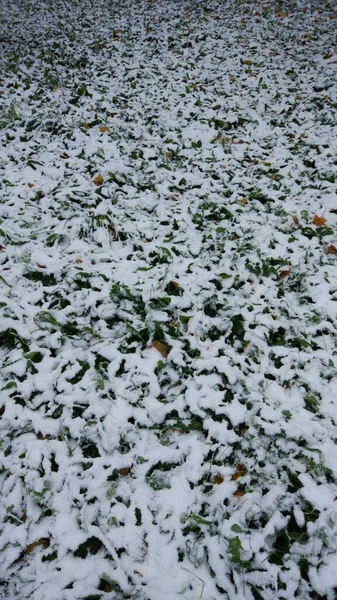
x,y
240,471
124,471
319,221
217,479
248,62
41,266
216,107
174,284
240,491
84,125
331,249
162,348
103,129
283,274
296,220
30,185
98,179
78,261
41,542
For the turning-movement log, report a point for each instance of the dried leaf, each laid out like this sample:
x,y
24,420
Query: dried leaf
x,y
248,62
296,220
319,221
240,491
41,266
331,249
240,471
162,348
98,179
124,471
41,542
216,107
243,201
217,479
174,284
103,129
283,274
30,185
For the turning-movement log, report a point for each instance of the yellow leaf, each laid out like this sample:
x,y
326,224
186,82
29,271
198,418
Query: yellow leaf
x,y
319,221
248,62
243,201
103,129
162,348
98,179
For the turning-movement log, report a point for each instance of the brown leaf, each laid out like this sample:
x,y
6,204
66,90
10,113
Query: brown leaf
x,y
162,348
319,221
295,220
243,201
124,471
98,180
240,491
103,129
217,479
283,274
331,249
248,62
30,185
174,284
41,266
41,542
216,107
84,125
240,471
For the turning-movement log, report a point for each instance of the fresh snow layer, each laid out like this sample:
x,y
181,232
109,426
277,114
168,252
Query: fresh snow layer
x,y
168,281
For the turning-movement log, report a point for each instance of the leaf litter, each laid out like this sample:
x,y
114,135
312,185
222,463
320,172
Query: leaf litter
x,y
168,298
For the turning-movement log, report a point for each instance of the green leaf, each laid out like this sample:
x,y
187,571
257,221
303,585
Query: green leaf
x,y
234,548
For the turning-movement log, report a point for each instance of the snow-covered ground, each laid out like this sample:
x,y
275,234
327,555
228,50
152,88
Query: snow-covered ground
x,y
168,300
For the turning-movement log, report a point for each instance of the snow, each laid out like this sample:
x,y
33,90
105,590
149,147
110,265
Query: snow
x,y
168,334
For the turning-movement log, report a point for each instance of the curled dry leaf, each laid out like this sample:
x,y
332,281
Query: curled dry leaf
x,y
104,129
41,542
319,221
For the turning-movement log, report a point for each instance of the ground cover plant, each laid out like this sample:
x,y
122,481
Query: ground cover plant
x,y
168,300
